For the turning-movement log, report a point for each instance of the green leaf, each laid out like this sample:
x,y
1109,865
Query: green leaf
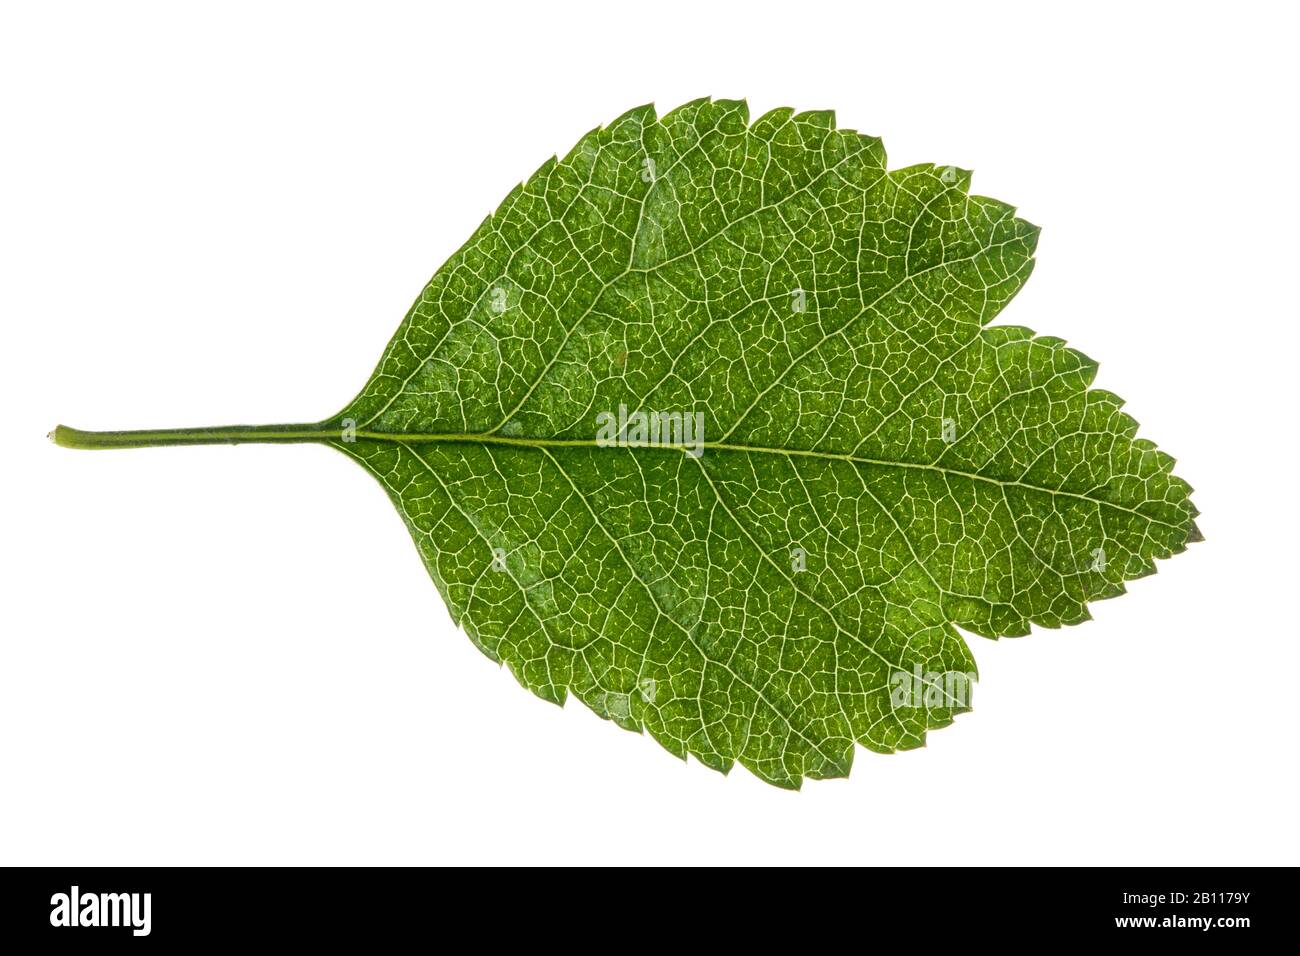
x,y
847,461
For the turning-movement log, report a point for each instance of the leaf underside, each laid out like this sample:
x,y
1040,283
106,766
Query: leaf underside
x,y
880,466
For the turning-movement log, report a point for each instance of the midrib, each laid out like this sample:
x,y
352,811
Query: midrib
x,y
240,434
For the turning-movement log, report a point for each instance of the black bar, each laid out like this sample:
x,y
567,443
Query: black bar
x,y
378,906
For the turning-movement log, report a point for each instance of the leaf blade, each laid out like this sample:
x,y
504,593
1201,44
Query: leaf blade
x,y
656,267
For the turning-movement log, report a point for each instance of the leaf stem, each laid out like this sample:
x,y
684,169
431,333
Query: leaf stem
x,y
222,435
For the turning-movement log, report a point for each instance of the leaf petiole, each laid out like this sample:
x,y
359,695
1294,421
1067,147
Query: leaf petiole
x,y
221,435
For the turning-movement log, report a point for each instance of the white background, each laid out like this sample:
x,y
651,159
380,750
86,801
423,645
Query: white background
x,y
219,214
